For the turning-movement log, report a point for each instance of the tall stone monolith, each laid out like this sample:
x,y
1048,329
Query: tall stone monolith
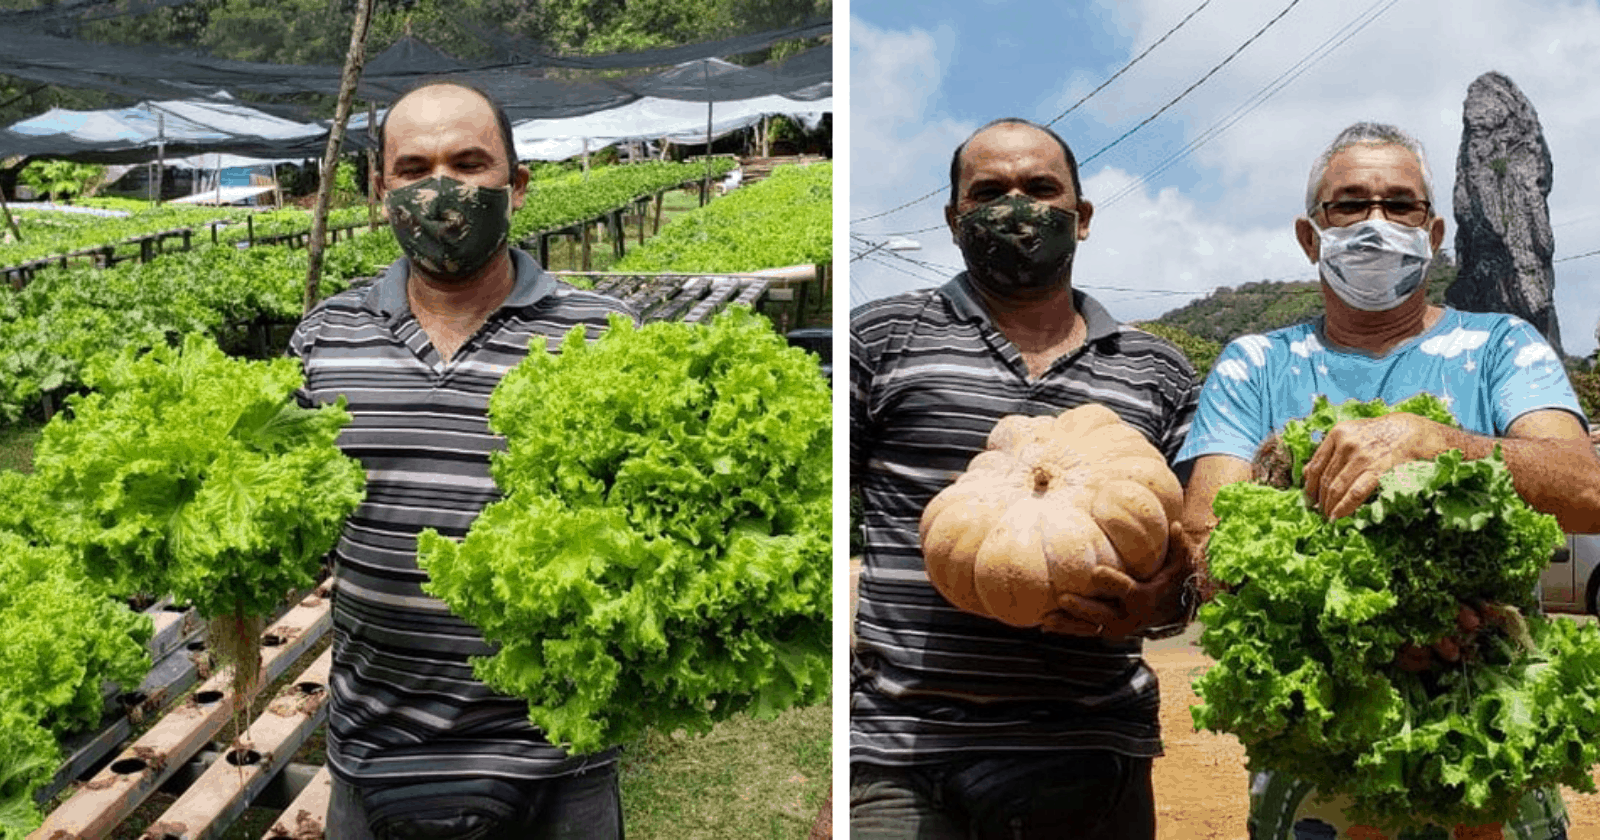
x,y
1503,238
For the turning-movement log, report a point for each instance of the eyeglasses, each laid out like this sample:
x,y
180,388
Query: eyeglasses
x,y
1401,209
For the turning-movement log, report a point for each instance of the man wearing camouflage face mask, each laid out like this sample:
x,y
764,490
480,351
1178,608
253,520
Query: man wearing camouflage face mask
x,y
418,747
961,726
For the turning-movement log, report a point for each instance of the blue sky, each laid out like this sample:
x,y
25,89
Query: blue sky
x,y
923,75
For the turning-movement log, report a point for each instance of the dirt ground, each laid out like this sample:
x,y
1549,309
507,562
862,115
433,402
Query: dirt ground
x,y
1200,784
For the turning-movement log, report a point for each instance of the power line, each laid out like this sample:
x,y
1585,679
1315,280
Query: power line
x,y
927,229
1074,107
1130,64
917,200
1189,89
1576,257
1295,71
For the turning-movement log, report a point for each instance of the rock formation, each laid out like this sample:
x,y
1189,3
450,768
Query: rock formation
x,y
1503,238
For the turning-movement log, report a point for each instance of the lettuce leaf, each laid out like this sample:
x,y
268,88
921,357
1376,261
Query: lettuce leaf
x,y
661,556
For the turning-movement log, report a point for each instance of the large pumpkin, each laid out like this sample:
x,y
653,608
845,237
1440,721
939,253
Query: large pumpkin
x,y
1047,501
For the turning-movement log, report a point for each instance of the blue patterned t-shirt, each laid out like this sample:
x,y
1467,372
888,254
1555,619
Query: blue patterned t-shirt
x,y
1488,368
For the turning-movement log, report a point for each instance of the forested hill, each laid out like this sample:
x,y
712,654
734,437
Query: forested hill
x,y
1201,328
1230,312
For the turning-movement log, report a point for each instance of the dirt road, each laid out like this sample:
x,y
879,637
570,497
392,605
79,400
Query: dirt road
x,y
1200,784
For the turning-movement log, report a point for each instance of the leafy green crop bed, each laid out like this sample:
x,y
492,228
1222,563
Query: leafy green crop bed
x,y
784,220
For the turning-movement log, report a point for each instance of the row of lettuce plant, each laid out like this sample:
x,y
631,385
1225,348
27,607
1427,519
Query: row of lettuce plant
x,y
785,219
51,328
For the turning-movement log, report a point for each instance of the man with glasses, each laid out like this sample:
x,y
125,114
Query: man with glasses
x,y
1371,229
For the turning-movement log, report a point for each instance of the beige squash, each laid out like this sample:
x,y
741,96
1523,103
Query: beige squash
x,y
1046,502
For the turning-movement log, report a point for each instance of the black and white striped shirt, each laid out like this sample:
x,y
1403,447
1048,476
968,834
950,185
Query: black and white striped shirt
x,y
404,703
930,375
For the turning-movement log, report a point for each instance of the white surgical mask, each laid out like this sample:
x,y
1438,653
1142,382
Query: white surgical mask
x,y
1374,264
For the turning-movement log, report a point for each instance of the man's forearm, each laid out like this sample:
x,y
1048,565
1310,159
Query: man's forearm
x,y
1558,476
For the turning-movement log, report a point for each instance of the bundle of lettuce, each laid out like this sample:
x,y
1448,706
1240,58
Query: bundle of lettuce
x,y
1306,641
61,640
192,474
660,557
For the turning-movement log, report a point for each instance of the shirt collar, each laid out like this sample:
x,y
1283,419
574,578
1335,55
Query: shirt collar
x,y
964,300
532,284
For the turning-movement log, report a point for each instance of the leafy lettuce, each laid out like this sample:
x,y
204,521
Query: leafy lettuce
x,y
61,640
1306,640
661,556
193,474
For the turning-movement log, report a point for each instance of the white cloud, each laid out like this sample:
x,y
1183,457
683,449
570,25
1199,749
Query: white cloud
x,y
1454,343
1147,254
1534,353
899,145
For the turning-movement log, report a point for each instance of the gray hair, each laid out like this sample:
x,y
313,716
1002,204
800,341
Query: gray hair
x,y
1373,134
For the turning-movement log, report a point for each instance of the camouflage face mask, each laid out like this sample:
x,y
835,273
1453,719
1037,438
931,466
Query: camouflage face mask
x,y
448,228
1016,244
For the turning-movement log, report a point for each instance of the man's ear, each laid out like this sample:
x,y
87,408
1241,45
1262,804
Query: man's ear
x,y
1310,243
375,184
1085,212
950,221
1436,233
519,186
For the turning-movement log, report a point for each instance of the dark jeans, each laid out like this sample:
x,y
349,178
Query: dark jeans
x,y
582,806
1083,795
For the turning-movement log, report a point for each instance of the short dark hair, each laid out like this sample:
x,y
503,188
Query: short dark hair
x,y
500,118
955,159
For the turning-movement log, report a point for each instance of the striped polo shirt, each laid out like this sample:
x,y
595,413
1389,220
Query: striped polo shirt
x,y
930,375
404,703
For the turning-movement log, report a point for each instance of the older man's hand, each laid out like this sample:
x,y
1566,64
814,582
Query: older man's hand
x,y
1131,605
1344,472
1444,651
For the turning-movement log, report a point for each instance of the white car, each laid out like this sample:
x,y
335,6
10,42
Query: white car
x,y
1571,581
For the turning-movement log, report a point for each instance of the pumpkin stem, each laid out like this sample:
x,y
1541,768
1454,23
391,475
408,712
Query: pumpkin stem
x,y
1041,478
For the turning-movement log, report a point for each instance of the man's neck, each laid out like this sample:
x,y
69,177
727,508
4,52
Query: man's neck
x,y
1376,333
1043,329
477,295
451,312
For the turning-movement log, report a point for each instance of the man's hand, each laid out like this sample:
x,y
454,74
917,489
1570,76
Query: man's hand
x,y
1447,650
1345,470
1133,604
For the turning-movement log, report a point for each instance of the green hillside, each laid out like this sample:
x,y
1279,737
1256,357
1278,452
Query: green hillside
x,y
1232,311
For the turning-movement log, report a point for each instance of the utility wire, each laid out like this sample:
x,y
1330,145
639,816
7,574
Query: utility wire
x,y
1186,91
1130,64
1074,107
1271,89
1576,257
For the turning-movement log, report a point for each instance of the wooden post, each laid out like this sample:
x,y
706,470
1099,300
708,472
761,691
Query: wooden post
x,y
585,227
10,221
660,200
354,59
705,182
161,154
372,167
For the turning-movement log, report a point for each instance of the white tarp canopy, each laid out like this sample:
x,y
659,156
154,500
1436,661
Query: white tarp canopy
x,y
224,195
183,126
673,120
